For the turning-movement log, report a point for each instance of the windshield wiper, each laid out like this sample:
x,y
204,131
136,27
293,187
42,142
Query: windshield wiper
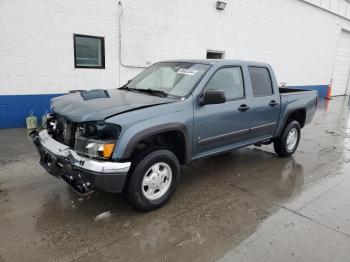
x,y
153,92
149,91
127,88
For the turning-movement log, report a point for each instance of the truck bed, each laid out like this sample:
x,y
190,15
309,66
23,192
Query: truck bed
x,y
286,90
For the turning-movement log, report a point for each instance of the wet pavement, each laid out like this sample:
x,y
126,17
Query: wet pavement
x,y
248,205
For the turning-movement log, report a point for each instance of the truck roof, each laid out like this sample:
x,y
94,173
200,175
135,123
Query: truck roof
x,y
216,61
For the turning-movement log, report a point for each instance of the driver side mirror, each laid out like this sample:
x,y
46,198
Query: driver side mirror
x,y
212,96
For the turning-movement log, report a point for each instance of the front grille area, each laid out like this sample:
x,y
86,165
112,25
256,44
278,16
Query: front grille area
x,y
65,131
81,143
79,135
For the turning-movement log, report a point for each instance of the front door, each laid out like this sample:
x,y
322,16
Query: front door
x,y
221,126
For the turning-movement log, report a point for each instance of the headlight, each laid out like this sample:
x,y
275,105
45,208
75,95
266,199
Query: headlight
x,y
96,139
99,149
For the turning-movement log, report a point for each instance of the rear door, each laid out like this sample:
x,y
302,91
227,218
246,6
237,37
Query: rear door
x,y
265,103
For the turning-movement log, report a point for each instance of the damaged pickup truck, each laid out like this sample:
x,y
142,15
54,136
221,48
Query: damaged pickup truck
x,y
133,139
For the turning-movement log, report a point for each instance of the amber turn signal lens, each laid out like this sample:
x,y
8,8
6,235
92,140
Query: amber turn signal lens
x,y
108,150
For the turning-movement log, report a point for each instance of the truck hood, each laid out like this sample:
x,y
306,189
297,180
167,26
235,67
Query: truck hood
x,y
100,104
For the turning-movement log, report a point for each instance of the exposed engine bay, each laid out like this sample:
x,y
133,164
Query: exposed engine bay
x,y
95,139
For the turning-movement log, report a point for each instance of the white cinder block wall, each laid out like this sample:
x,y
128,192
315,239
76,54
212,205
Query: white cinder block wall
x,y
37,54
297,38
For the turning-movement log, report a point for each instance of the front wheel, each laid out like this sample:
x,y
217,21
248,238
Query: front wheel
x,y
287,143
153,180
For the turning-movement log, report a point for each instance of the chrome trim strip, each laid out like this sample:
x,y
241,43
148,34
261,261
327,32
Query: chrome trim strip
x,y
212,139
61,150
263,126
223,136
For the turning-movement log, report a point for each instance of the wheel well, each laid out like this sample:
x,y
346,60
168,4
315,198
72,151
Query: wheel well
x,y
298,115
174,141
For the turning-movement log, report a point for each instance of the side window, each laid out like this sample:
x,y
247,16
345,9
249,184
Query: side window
x,y
230,80
261,81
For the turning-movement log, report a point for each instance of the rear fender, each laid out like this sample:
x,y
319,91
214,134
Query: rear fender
x,y
283,120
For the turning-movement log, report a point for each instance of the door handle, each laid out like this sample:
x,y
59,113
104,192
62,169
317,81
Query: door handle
x,y
243,108
273,103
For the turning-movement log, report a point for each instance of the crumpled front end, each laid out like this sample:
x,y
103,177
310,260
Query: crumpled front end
x,y
81,154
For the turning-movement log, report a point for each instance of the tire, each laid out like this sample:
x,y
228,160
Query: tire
x,y
282,146
143,180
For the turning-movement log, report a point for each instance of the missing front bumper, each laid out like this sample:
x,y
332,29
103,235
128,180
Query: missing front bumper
x,y
84,175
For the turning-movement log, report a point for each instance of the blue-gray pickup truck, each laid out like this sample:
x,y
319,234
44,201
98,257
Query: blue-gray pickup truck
x,y
133,139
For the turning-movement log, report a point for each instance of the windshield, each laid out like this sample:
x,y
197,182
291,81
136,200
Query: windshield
x,y
172,79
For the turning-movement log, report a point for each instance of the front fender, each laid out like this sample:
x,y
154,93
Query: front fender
x,y
137,125
129,141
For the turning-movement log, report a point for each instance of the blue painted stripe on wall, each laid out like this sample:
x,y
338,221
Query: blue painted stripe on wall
x,y
321,89
15,108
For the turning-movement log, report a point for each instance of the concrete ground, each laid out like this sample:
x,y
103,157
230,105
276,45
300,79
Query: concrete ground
x,y
248,205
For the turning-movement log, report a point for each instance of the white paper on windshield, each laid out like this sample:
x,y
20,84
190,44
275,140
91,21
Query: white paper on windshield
x,y
186,71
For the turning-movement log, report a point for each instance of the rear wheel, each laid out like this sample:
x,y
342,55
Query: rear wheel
x,y
288,142
153,180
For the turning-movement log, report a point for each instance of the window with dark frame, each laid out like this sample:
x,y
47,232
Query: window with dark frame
x,y
261,81
215,54
89,51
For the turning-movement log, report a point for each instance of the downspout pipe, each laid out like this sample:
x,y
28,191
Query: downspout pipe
x,y
120,40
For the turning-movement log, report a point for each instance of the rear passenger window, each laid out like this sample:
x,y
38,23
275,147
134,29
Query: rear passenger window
x,y
261,81
229,80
